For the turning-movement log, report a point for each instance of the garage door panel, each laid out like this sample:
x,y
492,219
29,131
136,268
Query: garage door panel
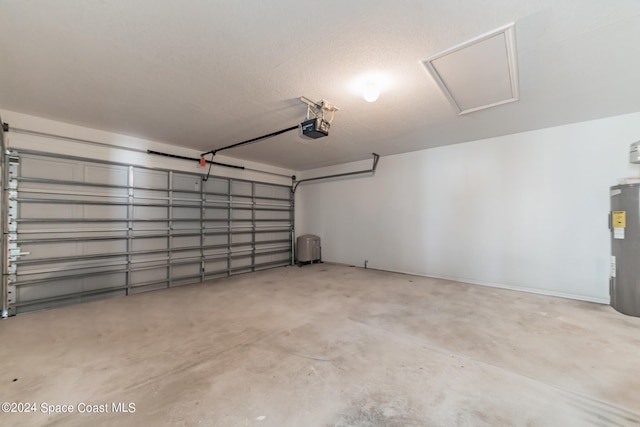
x,y
150,196
39,251
71,199
215,255
217,199
272,215
216,213
271,191
102,247
35,223
212,240
261,237
187,213
214,266
240,261
56,237
36,166
146,287
68,270
65,286
103,211
146,244
84,229
159,225
187,199
283,256
57,270
186,182
184,226
145,178
241,238
182,256
186,242
186,270
71,299
272,204
237,214
159,257
35,210
138,278
216,185
100,174
45,189
149,212
104,281
43,167
240,188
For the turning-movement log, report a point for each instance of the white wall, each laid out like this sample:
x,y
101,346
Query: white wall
x,y
115,154
525,211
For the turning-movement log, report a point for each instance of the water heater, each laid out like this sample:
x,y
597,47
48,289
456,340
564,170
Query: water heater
x,y
634,154
624,284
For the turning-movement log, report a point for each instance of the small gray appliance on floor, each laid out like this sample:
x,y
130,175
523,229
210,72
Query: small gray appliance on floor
x,y
308,249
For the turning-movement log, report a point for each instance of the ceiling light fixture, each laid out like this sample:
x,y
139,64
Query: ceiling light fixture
x,y
371,92
369,85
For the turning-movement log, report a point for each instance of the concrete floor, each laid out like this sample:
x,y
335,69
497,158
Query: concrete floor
x,y
326,345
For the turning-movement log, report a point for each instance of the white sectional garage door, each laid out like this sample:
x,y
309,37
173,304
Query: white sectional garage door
x,y
80,229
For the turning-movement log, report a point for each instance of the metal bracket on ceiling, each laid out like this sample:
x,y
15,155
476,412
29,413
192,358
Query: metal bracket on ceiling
x,y
318,109
295,184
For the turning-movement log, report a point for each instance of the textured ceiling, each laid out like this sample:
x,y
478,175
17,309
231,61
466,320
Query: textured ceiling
x,y
203,73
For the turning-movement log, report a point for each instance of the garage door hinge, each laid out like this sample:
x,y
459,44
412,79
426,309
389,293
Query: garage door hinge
x,y
15,252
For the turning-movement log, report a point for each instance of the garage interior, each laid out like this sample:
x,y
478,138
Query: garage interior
x,y
300,214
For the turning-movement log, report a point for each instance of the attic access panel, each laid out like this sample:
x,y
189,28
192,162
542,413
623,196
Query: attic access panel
x,y
480,73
